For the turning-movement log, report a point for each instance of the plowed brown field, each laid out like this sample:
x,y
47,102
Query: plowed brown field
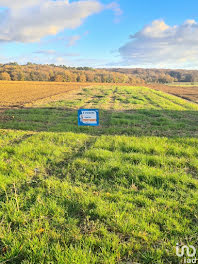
x,y
20,93
186,92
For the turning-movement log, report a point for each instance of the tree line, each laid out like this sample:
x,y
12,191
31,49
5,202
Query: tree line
x,y
61,73
160,75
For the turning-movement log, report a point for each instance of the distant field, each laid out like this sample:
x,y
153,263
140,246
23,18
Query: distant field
x,y
124,110
21,93
184,84
124,192
185,91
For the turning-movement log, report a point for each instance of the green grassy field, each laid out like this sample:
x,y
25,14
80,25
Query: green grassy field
x,y
125,192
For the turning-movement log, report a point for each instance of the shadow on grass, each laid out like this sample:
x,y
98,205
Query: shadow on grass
x,y
144,122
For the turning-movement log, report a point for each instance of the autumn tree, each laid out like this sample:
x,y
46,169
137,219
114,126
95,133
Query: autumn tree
x,y
59,78
5,76
81,77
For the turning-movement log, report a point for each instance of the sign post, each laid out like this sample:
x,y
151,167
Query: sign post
x,y
88,117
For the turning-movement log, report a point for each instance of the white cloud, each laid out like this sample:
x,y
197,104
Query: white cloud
x,y
71,54
161,45
45,52
72,40
117,11
54,53
18,3
31,20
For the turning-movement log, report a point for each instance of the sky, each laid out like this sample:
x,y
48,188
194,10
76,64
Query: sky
x,y
100,33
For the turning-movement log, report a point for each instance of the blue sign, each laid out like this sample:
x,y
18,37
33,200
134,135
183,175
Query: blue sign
x,y
88,117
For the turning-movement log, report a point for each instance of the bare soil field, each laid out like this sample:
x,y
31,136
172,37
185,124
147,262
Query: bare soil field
x,y
17,94
186,92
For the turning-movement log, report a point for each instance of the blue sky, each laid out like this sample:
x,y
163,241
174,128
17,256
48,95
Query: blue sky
x,y
103,33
